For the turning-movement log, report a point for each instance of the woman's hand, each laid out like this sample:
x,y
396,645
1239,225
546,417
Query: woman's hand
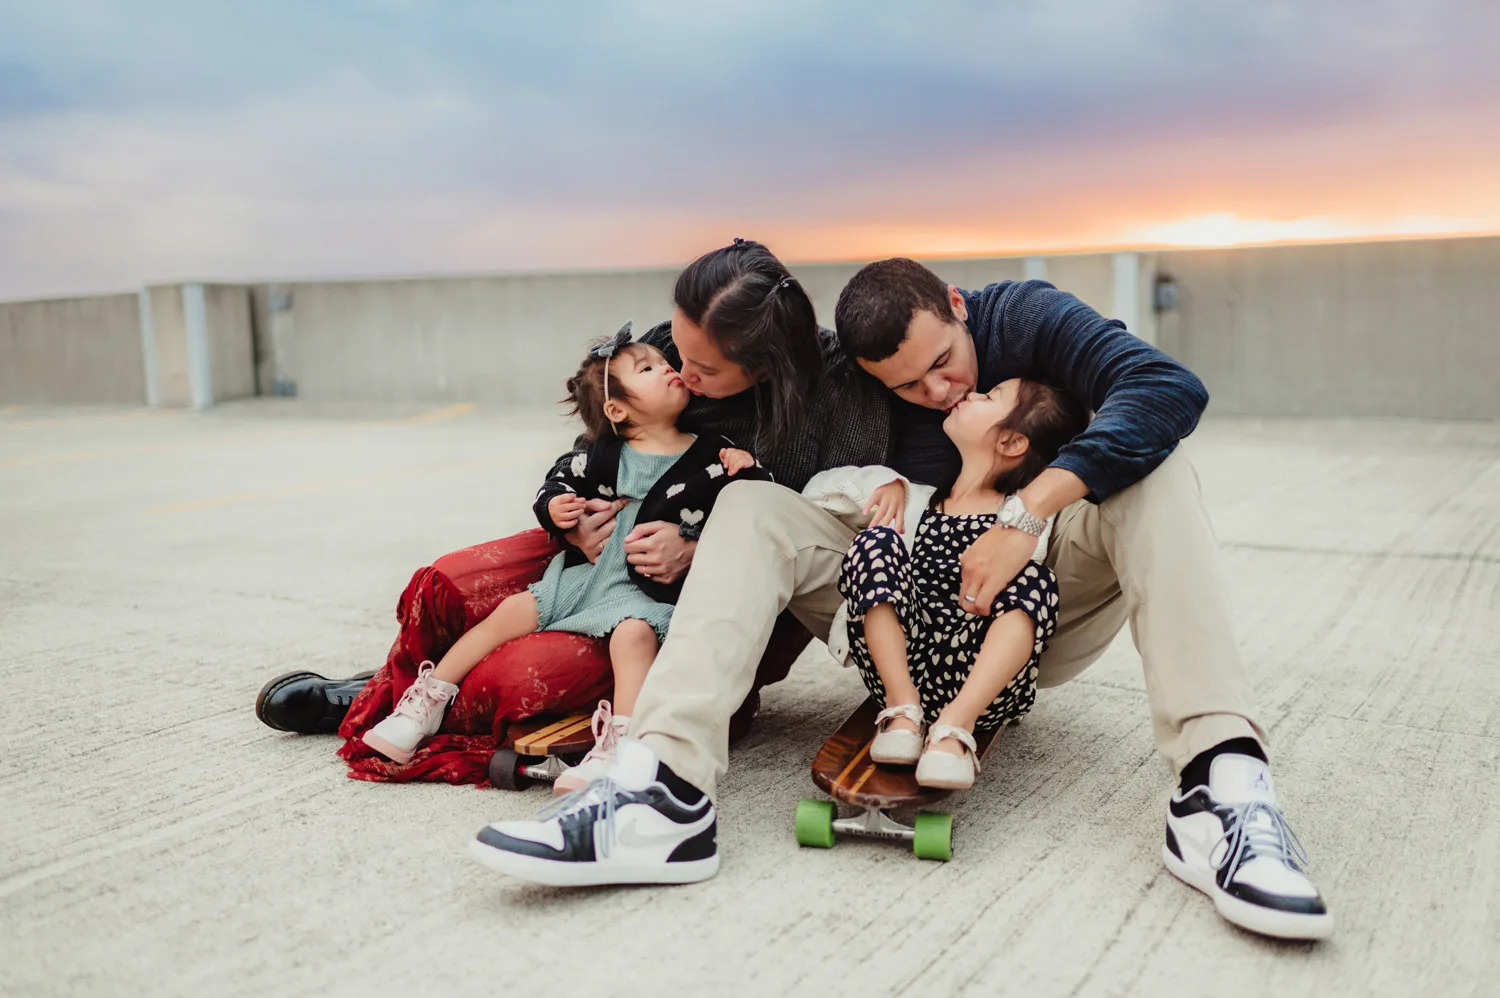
x,y
565,509
735,460
658,551
594,526
887,506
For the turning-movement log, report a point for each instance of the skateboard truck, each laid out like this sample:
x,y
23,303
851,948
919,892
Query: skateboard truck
x,y
930,833
874,823
549,769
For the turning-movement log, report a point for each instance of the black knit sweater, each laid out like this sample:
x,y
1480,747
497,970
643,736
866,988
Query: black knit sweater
x,y
1145,402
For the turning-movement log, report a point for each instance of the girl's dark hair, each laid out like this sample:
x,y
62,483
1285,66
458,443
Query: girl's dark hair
x,y
1048,419
586,392
759,317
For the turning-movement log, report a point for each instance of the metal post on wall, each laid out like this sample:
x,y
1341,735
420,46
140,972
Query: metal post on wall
x,y
148,347
1127,280
199,354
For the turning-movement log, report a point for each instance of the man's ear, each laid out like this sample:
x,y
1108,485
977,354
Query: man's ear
x,y
957,303
1011,444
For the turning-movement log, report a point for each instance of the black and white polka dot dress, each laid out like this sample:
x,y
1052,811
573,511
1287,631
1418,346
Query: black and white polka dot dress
x,y
941,639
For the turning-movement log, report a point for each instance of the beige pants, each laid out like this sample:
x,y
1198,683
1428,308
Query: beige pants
x,y
1146,555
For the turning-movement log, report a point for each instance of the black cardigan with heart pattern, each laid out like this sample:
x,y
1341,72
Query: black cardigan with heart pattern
x,y
684,494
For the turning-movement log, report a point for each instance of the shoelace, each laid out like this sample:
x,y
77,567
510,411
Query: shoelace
x,y
599,791
418,700
1246,838
603,727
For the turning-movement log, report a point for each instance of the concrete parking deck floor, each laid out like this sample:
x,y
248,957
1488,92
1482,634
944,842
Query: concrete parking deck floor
x,y
156,568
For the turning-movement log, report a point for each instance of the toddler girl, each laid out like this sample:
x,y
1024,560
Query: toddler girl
x,y
629,399
925,660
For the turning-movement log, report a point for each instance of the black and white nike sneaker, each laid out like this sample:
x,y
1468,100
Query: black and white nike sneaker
x,y
1230,841
626,827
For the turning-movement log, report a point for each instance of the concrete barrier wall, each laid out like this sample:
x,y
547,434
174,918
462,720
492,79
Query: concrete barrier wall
x,y
230,343
72,350
500,339
515,339
169,336
1366,329
1407,328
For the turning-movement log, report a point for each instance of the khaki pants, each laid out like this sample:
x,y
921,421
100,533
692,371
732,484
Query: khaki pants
x,y
1146,555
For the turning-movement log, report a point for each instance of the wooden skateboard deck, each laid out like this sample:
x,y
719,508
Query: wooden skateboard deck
x,y
844,769
535,748
552,735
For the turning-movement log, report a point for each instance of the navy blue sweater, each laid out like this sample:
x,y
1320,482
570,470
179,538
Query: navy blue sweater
x,y
1145,402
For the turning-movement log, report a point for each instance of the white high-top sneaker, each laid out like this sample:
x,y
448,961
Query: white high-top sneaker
x,y
415,719
625,828
1230,841
608,728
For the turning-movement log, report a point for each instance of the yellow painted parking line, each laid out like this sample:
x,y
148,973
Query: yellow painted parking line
x,y
97,418
86,455
305,488
135,450
439,414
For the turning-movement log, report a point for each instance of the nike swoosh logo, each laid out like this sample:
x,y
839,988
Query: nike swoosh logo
x,y
1203,843
631,837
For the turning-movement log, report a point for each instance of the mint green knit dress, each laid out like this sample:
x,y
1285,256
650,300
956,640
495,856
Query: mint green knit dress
x,y
593,599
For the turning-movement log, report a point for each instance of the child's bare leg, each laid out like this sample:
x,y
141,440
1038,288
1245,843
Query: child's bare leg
x,y
516,615
1006,650
887,643
632,649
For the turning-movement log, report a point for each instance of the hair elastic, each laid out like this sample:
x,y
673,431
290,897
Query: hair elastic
x,y
785,282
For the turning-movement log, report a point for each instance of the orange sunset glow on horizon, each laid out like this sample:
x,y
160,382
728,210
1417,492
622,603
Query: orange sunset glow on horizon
x,y
448,138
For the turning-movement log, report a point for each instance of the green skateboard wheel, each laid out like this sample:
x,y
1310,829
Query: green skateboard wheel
x,y
934,836
815,823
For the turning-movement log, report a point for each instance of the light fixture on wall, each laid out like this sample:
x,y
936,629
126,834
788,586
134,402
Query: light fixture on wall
x,y
1164,295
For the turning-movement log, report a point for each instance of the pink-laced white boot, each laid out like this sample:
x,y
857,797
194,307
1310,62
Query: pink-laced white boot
x,y
415,719
608,728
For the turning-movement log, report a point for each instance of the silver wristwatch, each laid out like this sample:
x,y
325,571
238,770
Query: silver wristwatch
x,y
1013,513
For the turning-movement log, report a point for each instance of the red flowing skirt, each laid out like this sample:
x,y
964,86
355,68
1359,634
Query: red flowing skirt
x,y
546,673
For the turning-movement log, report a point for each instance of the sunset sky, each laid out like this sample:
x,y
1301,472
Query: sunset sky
x,y
179,140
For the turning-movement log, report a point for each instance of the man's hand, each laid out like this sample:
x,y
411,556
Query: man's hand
x,y
887,506
565,509
990,564
735,460
594,527
658,551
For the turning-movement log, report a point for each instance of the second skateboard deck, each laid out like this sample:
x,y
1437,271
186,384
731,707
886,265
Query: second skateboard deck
x,y
843,768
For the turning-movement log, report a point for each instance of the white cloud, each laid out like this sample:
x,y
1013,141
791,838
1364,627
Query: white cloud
x,y
183,139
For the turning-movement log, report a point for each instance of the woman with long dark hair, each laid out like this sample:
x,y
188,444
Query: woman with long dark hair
x,y
746,340
745,337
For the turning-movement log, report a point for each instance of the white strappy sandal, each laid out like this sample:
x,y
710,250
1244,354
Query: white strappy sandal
x,y
897,748
944,770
